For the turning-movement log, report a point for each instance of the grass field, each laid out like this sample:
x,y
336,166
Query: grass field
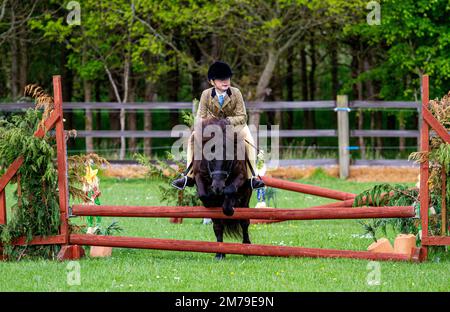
x,y
153,270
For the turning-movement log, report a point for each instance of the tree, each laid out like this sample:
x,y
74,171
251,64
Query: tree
x,y
108,41
14,18
413,39
269,29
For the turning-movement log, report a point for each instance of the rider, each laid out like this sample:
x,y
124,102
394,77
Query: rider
x,y
222,100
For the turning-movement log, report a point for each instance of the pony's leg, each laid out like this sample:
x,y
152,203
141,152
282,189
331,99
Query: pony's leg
x,y
201,189
246,223
245,237
230,193
218,230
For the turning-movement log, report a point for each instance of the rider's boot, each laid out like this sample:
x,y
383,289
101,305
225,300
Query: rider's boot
x,y
182,182
255,183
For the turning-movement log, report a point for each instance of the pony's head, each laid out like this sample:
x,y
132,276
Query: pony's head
x,y
218,142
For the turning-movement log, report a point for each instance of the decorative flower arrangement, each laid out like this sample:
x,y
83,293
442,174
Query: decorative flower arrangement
x,y
91,188
398,195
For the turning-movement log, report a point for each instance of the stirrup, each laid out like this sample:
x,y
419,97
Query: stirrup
x,y
184,185
255,188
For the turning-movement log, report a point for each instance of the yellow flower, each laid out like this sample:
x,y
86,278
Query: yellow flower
x,y
90,174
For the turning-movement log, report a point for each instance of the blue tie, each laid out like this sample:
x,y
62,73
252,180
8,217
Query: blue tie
x,y
220,100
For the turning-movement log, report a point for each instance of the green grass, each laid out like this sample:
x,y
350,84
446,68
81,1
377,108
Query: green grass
x,y
154,270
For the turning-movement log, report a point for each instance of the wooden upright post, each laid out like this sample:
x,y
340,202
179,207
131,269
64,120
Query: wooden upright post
x,y
343,135
424,174
62,162
443,201
67,252
2,207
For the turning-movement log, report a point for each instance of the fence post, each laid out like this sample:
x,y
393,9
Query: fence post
x,y
343,135
2,207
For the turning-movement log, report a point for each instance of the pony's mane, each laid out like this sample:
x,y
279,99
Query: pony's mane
x,y
212,121
222,123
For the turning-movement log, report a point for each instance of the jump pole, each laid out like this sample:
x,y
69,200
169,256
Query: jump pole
x,y
244,213
307,189
231,248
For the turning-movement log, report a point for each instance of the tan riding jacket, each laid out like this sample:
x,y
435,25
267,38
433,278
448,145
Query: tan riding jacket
x,y
233,107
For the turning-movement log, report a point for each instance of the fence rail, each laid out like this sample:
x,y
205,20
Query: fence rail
x,y
276,105
384,104
343,133
319,162
261,133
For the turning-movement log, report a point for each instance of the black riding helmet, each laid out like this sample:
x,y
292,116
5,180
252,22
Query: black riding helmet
x,y
219,70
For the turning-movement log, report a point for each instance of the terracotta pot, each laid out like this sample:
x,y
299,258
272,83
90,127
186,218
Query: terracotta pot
x,y
404,243
382,245
100,251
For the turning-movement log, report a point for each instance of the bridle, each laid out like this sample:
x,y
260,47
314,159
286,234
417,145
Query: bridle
x,y
226,173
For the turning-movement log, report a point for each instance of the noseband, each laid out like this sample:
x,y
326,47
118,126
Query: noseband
x,y
226,173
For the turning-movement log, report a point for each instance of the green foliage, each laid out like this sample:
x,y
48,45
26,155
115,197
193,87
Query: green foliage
x,y
414,39
442,154
188,118
36,211
109,230
389,195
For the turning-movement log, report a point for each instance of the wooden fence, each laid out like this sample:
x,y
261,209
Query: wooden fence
x,y
341,106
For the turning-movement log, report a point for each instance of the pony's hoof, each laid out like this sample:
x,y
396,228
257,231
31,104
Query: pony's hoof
x,y
219,256
228,212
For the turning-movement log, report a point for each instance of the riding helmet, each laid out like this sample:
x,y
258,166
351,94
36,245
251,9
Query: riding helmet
x,y
219,70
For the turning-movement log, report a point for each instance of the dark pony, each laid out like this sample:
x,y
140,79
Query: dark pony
x,y
221,181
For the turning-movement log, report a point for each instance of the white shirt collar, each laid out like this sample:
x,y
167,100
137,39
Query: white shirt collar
x,y
219,93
